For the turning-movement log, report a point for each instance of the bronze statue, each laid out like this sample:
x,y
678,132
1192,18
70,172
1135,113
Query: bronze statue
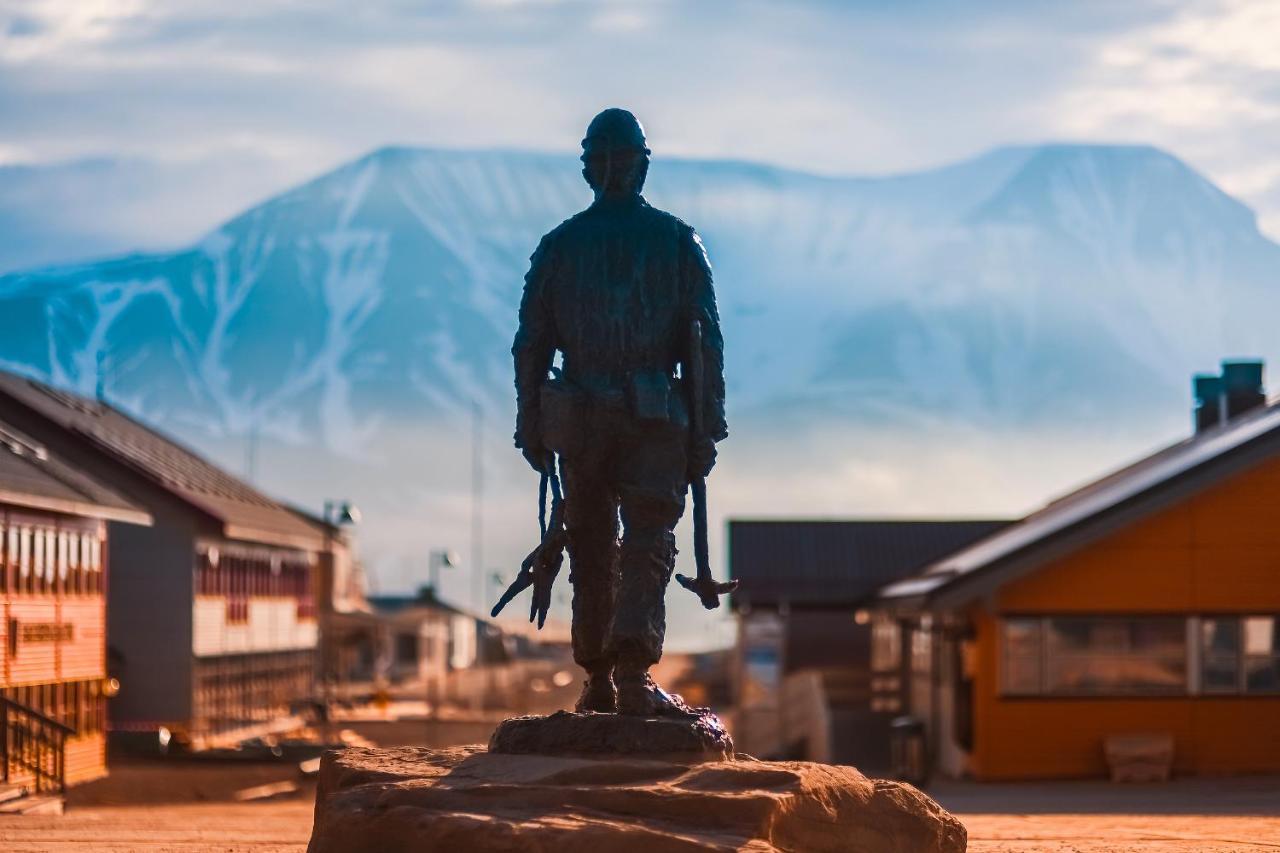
x,y
623,291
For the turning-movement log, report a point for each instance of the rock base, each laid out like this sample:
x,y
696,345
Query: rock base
x,y
469,799
688,739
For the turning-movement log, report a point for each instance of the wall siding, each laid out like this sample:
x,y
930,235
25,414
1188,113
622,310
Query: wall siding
x,y
273,626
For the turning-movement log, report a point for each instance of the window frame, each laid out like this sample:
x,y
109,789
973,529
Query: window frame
x,y
1242,655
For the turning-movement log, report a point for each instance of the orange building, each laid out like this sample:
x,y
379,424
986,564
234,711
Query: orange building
x,y
1146,603
53,579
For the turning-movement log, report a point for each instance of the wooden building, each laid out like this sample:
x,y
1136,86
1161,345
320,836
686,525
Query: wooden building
x,y
802,668
1146,603
212,619
53,581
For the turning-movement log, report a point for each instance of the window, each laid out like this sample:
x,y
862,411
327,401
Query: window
x,y
37,560
1023,656
24,552
922,649
886,644
63,559
1240,654
406,648
1095,656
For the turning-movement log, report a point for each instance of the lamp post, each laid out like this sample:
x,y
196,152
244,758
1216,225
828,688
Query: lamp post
x,y
440,559
327,586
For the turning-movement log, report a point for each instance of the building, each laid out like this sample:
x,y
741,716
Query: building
x,y
53,581
1145,603
211,610
415,640
802,673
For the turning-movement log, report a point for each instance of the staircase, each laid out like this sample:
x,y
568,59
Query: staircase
x,y
33,768
826,716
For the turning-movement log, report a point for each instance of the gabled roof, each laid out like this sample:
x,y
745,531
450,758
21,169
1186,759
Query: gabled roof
x,y
31,478
1099,508
836,563
244,512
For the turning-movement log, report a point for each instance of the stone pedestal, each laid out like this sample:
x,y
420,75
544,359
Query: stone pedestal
x,y
466,798
683,739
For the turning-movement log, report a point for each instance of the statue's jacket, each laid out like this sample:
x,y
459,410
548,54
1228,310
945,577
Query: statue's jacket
x,y
616,289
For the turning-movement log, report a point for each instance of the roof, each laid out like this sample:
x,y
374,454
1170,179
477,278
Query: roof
x,y
1096,509
837,563
31,478
244,512
423,600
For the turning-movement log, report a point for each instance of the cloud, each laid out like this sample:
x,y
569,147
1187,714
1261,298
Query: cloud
x,y
1204,83
833,87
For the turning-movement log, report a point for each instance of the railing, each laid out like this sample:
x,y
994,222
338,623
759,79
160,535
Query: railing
x,y
34,743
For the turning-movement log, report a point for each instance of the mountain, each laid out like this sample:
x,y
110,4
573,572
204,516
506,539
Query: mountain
x,y
1027,283
355,318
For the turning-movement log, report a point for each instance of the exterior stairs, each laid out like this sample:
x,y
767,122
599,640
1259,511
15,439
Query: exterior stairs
x,y
33,765
16,799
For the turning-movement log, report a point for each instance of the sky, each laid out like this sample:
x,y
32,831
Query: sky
x,y
257,96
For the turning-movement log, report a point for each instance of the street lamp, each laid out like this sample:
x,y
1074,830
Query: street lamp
x,y
341,513
440,559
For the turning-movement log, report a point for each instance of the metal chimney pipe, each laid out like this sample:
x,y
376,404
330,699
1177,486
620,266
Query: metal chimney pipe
x,y
1210,408
1242,386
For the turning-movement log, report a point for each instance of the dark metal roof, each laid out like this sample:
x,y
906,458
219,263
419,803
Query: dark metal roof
x,y
1096,509
837,563
424,600
30,477
244,512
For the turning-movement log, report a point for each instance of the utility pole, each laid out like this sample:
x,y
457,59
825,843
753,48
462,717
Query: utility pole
x,y
477,514
477,547
251,453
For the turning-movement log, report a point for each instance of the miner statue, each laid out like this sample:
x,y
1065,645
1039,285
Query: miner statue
x,y
628,421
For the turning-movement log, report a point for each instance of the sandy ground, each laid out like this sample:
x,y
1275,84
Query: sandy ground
x,y
1120,833
274,827
1210,815
154,807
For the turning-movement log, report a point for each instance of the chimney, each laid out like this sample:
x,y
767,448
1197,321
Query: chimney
x,y
1207,389
1221,398
1242,385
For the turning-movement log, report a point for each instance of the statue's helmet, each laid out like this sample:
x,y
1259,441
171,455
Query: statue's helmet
x,y
614,130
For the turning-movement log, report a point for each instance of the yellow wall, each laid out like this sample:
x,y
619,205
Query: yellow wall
x,y
1216,552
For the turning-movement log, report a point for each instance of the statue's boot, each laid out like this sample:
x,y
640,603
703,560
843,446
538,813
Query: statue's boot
x,y
640,696
598,694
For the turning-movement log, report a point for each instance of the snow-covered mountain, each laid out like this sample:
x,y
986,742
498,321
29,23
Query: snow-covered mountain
x,y
361,313
1028,283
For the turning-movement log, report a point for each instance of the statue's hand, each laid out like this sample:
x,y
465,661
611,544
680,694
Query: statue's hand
x,y
538,457
702,457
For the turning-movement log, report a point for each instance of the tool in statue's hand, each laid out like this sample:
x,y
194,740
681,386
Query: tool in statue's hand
x,y
707,588
540,568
